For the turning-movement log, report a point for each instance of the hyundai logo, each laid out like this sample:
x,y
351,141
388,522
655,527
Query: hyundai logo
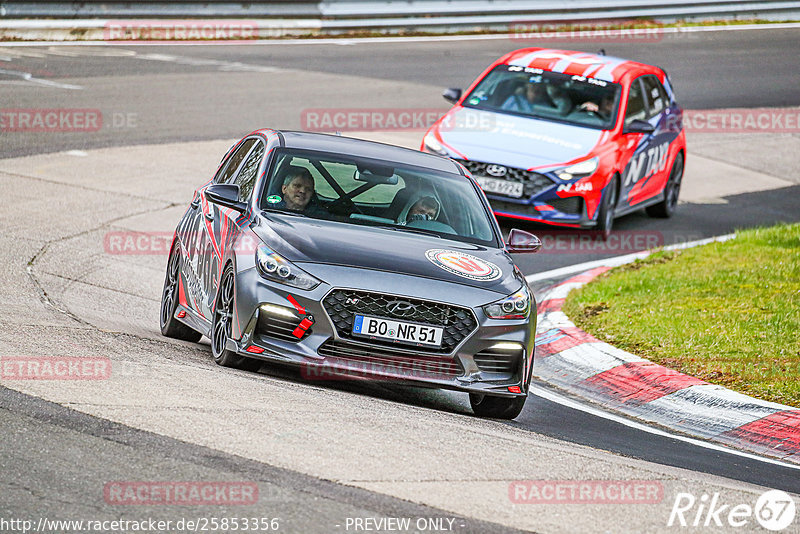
x,y
496,170
401,308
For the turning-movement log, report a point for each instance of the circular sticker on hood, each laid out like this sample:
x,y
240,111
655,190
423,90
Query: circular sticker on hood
x,y
464,265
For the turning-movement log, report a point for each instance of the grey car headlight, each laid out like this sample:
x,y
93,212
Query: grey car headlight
x,y
516,306
578,170
274,267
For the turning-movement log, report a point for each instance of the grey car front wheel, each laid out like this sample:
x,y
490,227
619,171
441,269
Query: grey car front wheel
x,y
496,407
221,327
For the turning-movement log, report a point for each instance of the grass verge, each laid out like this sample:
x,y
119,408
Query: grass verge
x,y
728,313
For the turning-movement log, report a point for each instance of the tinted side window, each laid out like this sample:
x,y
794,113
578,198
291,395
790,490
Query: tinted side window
x,y
656,94
246,179
636,109
233,162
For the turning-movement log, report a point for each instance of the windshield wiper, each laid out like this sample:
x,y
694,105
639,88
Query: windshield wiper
x,y
285,212
412,230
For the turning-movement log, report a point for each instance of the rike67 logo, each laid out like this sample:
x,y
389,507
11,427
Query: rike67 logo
x,y
774,510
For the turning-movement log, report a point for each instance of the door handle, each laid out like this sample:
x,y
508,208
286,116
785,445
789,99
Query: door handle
x,y
209,216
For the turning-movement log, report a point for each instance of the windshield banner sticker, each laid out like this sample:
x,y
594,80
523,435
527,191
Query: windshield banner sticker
x,y
464,265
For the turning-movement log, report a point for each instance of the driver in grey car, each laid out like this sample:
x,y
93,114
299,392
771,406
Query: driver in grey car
x,y
424,209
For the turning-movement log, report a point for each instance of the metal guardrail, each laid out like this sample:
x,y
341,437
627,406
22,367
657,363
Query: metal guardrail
x,y
545,8
502,14
158,9
292,17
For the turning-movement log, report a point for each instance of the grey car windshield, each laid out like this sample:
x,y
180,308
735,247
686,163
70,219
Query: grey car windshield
x,y
533,92
362,191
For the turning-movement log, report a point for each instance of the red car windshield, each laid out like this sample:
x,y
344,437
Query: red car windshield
x,y
533,92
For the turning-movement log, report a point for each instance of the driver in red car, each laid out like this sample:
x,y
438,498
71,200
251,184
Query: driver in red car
x,y
605,109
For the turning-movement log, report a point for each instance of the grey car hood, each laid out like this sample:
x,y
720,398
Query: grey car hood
x,y
309,241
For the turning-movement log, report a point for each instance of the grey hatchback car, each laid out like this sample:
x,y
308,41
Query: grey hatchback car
x,y
354,260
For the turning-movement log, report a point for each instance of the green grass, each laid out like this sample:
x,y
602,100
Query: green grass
x,y
728,313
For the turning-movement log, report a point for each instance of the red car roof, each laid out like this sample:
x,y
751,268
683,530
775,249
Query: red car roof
x,y
606,68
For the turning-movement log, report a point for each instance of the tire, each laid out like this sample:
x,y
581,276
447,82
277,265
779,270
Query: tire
x,y
170,326
221,326
605,215
666,208
496,407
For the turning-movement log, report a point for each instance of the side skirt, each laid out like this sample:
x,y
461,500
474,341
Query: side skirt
x,y
193,320
620,211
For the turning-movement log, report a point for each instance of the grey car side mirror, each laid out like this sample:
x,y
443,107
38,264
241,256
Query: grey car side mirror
x,y
520,241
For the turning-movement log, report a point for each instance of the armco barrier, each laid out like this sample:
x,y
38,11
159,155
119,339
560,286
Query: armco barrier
x,y
292,17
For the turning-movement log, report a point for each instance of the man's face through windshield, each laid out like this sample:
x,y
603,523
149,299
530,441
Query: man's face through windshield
x,y
297,192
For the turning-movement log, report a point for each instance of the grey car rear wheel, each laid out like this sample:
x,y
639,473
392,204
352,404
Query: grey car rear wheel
x,y
170,326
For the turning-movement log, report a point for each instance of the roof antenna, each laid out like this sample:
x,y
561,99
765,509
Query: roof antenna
x,y
601,52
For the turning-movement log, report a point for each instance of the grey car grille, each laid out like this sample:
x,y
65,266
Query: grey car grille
x,y
343,304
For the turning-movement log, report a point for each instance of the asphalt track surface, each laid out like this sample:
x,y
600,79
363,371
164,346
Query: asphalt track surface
x,y
218,92
182,93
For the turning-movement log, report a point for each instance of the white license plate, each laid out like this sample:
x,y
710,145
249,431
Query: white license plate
x,y
502,187
417,334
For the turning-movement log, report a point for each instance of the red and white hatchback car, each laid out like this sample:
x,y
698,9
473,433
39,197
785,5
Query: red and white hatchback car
x,y
567,138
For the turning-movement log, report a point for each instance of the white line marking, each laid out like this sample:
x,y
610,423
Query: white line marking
x,y
616,261
201,62
22,53
569,403
409,39
562,290
28,77
62,53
